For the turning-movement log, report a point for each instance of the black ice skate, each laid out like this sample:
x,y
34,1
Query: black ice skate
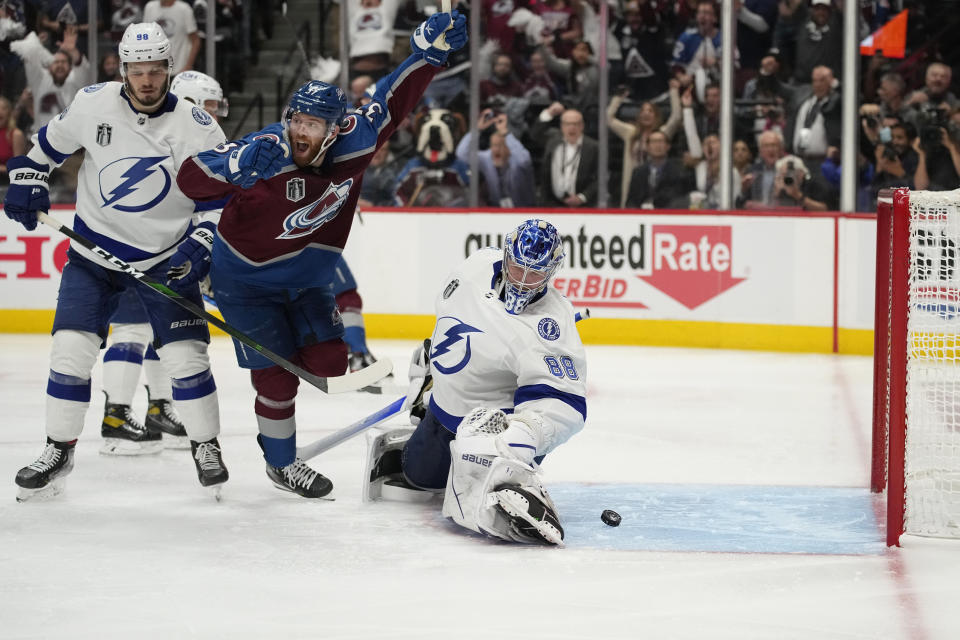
x,y
161,418
124,436
531,517
46,476
357,360
299,478
210,468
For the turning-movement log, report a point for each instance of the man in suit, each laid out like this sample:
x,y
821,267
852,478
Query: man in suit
x,y
815,128
569,170
661,182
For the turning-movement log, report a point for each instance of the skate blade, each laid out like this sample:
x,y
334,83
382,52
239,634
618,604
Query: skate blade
x,y
52,490
175,442
216,491
120,447
516,507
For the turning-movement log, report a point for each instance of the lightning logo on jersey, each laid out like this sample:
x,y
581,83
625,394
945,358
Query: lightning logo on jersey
x,y
133,185
303,221
456,332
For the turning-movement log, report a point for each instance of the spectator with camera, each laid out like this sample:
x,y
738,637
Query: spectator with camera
x,y
816,126
895,159
661,182
765,99
935,93
794,186
505,166
938,158
891,94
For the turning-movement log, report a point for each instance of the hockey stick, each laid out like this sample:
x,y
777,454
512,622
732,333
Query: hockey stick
x,y
376,418
339,384
326,443
441,42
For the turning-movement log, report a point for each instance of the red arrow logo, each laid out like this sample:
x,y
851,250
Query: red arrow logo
x,y
691,264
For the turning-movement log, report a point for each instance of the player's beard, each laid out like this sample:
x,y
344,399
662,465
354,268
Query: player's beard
x,y
304,158
149,106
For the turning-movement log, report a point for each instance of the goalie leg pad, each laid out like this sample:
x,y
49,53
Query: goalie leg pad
x,y
481,483
383,471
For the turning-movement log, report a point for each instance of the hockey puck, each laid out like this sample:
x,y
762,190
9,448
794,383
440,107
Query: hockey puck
x,y
610,517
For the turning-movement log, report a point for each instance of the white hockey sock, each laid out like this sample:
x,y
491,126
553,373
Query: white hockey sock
x,y
194,390
68,386
121,371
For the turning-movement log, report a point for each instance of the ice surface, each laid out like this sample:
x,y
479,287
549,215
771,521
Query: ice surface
x,y
702,452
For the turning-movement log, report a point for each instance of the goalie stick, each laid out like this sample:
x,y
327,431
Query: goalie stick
x,y
376,418
338,384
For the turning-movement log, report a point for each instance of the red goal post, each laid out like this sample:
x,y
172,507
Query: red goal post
x,y
916,386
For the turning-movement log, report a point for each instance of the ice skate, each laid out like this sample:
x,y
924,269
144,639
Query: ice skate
x,y
162,418
124,436
46,476
210,468
299,478
358,360
531,517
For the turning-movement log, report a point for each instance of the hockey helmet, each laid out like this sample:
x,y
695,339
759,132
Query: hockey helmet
x,y
320,100
198,88
144,42
532,253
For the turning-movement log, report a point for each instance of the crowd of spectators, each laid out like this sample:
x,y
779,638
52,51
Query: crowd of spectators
x,y
540,101
539,96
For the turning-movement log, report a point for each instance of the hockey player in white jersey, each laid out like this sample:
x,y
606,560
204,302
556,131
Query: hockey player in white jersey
x,y
131,337
135,135
508,386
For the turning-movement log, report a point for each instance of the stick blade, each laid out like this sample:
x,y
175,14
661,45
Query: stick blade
x,y
356,380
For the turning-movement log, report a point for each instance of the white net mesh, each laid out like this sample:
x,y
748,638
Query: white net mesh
x,y
932,467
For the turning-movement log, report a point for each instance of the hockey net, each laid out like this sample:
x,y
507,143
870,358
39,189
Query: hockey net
x,y
916,420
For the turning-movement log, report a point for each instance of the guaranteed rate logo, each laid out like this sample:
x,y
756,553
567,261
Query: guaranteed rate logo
x,y
689,263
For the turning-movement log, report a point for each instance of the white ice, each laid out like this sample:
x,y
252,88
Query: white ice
x,y
136,549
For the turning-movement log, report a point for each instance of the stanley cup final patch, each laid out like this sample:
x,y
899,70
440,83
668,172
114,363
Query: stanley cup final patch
x,y
104,134
296,189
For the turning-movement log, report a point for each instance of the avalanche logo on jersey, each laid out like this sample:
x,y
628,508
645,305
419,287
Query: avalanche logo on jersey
x,y
133,185
454,348
303,221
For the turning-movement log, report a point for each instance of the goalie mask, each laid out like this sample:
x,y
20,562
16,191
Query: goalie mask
x,y
320,100
199,88
532,253
145,42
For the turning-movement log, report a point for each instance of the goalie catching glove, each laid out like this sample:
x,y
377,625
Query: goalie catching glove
x,y
421,382
28,192
496,494
191,262
438,35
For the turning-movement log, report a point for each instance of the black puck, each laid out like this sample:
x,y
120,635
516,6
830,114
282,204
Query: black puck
x,y
610,517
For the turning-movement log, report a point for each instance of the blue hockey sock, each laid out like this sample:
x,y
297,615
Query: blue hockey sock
x,y
278,452
356,339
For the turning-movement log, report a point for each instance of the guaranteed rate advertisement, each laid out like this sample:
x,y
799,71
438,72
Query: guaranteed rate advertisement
x,y
676,273
719,268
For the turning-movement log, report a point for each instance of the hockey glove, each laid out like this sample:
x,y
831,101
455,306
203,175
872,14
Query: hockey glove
x,y
191,262
28,191
427,41
421,382
260,160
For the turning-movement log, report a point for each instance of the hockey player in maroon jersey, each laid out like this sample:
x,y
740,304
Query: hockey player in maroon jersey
x,y
294,188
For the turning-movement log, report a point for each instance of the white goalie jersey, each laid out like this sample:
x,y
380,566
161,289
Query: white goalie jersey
x,y
128,201
482,356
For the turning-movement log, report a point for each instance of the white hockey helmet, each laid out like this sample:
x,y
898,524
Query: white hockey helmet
x,y
144,42
198,88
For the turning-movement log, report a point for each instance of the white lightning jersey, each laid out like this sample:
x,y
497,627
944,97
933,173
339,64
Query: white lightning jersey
x,y
128,201
482,356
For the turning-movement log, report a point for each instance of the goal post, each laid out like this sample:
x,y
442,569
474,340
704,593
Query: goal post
x,y
916,386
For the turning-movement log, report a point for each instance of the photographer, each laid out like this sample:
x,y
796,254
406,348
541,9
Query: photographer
x,y
793,186
896,160
505,166
938,158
